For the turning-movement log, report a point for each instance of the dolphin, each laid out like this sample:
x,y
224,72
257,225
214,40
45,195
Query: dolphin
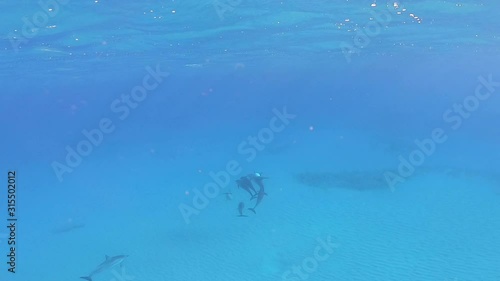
x,y
257,178
259,196
246,184
241,206
108,263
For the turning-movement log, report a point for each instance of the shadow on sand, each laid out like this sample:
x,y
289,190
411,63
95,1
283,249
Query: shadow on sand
x,y
356,180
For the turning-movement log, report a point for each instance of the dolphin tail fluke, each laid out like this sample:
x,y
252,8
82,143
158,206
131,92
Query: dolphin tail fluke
x,y
253,210
88,278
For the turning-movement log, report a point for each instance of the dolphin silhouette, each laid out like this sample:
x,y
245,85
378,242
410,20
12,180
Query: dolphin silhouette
x,y
260,195
108,263
246,184
241,206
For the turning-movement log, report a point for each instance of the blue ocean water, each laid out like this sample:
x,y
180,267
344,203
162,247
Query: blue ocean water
x,y
372,125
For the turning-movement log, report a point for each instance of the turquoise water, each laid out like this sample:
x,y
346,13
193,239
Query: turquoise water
x,y
375,125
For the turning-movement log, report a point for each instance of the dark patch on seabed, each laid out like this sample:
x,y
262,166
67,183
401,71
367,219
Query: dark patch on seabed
x,y
463,173
371,180
356,180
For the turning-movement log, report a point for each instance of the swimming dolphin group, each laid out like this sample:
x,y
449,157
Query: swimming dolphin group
x,y
245,183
